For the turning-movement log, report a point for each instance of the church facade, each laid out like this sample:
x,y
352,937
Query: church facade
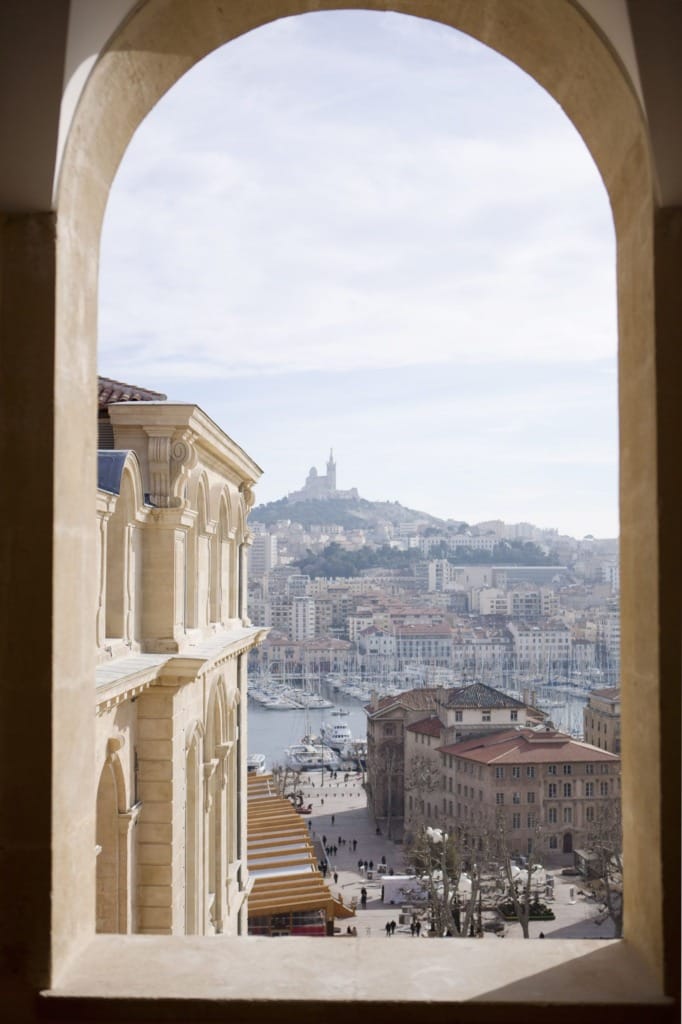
x,y
318,487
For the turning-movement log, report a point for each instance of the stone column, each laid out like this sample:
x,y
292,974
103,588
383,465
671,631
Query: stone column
x,y
158,872
164,580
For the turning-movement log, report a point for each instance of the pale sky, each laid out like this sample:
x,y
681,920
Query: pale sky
x,y
366,231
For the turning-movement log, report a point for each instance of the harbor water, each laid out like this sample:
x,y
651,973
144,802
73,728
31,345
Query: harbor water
x,y
269,732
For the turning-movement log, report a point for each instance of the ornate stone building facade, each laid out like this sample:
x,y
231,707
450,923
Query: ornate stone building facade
x,y
172,637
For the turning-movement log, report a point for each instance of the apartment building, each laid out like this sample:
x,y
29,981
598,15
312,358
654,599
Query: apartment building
x,y
432,645
543,787
541,645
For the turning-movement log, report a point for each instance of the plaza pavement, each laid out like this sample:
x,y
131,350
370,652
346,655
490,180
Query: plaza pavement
x,y
346,803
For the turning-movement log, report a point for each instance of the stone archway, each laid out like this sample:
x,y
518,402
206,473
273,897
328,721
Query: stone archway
x,y
111,889
558,46
193,837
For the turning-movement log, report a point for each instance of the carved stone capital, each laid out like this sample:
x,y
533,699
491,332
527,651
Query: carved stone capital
x,y
248,496
158,458
170,455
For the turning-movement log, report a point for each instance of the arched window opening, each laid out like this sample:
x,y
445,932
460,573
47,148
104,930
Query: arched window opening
x,y
193,840
220,566
574,63
112,858
123,566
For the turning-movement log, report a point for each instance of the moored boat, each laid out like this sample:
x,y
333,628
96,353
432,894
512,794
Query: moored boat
x,y
310,757
336,735
255,764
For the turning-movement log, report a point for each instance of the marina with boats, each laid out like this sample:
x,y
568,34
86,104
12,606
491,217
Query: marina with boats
x,y
325,725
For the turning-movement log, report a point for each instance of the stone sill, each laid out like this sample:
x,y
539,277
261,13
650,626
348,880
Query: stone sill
x,y
250,979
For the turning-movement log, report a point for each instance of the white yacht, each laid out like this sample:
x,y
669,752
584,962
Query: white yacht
x,y
310,757
336,735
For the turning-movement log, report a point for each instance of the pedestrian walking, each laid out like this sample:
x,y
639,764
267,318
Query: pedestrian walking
x,y
393,927
412,926
355,845
333,819
363,898
418,928
371,865
359,865
324,840
388,929
336,878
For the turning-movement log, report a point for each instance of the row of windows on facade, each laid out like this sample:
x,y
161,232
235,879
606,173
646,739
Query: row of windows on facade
x,y
466,813
486,716
568,791
515,771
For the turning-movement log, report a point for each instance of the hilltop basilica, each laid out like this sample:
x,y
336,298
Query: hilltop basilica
x,y
321,488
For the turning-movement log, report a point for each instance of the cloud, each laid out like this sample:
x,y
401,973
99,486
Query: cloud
x,y
346,193
280,229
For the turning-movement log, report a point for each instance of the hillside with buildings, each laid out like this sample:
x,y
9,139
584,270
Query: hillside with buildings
x,y
420,600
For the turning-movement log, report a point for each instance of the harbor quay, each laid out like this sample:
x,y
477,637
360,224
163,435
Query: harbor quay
x,y
340,815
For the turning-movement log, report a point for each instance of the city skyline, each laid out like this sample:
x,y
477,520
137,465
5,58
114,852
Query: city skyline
x,y
391,238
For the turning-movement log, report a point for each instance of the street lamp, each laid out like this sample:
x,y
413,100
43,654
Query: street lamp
x,y
440,838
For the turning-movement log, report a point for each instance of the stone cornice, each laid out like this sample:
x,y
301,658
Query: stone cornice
x,y
211,654
166,418
125,678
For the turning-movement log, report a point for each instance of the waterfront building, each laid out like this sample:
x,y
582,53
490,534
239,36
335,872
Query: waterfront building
x,y
541,646
399,726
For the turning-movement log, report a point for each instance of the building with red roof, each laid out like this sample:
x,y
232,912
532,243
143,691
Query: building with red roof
x,y
540,785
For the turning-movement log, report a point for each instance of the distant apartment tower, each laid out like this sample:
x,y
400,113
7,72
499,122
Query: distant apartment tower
x,y
297,586
302,619
262,554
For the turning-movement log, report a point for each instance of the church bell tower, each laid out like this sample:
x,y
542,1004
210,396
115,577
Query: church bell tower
x,y
331,471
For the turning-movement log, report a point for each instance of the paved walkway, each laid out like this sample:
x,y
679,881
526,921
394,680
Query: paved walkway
x,y
339,811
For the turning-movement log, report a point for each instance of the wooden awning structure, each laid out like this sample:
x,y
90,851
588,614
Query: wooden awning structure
x,y
281,858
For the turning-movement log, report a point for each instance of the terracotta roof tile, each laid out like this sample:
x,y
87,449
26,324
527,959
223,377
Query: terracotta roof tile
x,y
422,698
109,391
478,695
427,726
526,746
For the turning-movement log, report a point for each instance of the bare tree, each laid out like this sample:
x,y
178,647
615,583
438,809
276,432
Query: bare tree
x,y
422,777
444,862
385,779
604,841
522,891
